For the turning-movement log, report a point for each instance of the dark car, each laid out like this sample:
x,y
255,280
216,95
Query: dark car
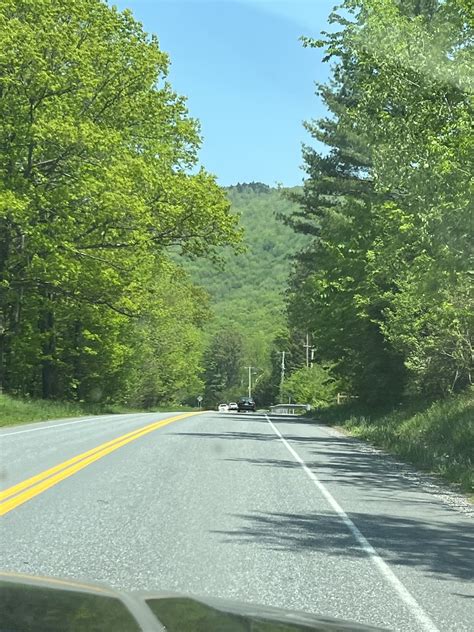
x,y
246,403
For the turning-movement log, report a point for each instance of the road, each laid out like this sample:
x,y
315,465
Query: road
x,y
270,510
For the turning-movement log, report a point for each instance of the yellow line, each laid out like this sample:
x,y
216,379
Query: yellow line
x,y
11,491
31,487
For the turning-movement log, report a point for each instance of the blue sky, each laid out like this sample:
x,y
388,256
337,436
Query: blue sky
x,y
246,76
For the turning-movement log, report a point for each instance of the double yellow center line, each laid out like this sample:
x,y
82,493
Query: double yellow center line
x,y
31,487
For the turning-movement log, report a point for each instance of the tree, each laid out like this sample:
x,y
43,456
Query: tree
x,y
329,294
415,110
383,285
96,153
314,385
223,365
167,343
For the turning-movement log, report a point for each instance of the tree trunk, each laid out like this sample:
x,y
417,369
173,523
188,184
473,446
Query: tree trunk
x,y
48,368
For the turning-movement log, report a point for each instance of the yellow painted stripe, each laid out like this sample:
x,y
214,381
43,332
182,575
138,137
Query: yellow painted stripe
x,y
31,487
12,491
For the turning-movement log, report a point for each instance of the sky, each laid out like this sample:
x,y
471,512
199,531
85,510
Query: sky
x,y
246,76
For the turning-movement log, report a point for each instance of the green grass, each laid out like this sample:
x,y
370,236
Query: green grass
x,y
17,411
437,437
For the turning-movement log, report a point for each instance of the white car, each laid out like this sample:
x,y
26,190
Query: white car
x,y
233,406
222,408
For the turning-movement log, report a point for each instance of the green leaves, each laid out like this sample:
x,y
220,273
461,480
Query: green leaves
x,y
315,386
386,279
98,181
224,363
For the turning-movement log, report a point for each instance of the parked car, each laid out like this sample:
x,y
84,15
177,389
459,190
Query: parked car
x,y
246,403
233,406
222,408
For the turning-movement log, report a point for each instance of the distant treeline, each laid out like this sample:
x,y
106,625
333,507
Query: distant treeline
x,y
254,187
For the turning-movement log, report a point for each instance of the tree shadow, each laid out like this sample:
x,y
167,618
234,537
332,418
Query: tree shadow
x,y
342,460
349,462
231,435
292,419
440,549
257,436
257,417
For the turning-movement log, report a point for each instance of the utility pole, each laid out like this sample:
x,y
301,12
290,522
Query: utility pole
x,y
250,379
282,377
307,346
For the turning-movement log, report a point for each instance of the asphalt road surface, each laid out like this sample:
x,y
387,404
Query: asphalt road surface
x,y
268,510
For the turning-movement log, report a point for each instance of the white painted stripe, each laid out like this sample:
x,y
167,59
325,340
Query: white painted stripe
x,y
51,425
414,607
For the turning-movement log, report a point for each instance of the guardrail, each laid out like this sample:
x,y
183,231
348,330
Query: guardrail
x,y
290,409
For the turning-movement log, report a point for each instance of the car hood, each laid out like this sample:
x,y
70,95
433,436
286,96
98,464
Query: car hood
x,y
37,603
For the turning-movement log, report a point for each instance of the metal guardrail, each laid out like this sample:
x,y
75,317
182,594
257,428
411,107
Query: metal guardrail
x,y
290,409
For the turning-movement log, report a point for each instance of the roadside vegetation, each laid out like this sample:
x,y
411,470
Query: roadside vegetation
x,y
17,411
383,287
437,437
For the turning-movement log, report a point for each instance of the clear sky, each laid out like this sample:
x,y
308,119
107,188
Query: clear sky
x,y
246,76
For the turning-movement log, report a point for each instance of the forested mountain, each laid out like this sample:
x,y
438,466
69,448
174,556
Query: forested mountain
x,y
247,288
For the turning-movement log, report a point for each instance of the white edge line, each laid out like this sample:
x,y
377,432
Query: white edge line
x,y
52,425
415,608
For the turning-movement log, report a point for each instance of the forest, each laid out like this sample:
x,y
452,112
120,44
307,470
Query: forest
x,y
127,274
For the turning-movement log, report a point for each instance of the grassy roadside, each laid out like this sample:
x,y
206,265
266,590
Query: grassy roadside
x,y
17,411
437,437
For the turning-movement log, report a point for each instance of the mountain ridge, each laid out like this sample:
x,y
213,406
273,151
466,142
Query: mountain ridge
x,y
247,290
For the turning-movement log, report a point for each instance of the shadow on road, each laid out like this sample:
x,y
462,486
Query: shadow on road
x,y
263,417
247,436
348,462
440,549
291,419
342,460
